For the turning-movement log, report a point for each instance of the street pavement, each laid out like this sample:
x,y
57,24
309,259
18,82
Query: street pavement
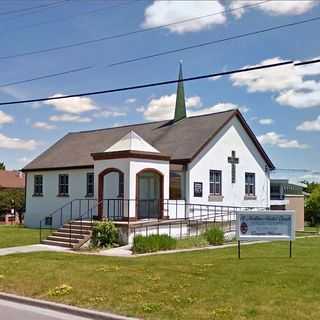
x,y
17,311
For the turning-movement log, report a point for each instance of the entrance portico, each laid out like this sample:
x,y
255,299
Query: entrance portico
x,y
133,180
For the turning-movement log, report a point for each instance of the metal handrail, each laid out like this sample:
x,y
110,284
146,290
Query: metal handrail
x,y
59,211
205,210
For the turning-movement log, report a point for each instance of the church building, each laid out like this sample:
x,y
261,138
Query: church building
x,y
154,170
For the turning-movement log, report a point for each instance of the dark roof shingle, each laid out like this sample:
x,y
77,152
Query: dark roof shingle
x,y
180,140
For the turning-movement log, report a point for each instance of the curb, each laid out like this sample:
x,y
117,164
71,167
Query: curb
x,y
86,313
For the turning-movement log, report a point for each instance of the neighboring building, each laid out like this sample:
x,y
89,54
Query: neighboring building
x,y
11,180
288,195
212,159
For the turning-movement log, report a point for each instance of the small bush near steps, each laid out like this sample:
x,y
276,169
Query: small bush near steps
x,y
215,236
104,235
153,243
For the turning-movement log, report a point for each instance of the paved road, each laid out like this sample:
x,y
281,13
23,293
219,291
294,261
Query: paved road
x,y
17,311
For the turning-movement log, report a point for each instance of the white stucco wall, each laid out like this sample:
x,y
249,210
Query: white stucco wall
x,y
130,167
136,165
120,164
38,208
215,157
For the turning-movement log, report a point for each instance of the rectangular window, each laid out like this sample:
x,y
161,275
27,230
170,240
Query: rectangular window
x,y
63,184
250,184
216,182
177,185
38,185
121,185
90,184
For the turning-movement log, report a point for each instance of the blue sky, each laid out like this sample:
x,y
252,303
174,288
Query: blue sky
x,y
281,106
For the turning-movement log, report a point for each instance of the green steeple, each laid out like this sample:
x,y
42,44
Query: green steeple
x,y
180,111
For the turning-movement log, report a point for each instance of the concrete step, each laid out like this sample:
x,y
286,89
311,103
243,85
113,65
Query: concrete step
x,y
67,235
57,243
73,230
84,223
64,239
77,226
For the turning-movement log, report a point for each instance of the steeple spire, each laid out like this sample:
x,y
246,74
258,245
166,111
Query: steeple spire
x,y
180,111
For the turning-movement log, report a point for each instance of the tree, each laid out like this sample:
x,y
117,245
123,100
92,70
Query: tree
x,y
313,205
2,166
11,198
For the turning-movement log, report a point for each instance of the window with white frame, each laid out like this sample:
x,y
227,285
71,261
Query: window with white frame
x,y
250,184
215,183
38,185
90,184
63,189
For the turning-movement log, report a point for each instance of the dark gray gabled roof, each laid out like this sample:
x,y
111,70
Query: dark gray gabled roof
x,y
181,141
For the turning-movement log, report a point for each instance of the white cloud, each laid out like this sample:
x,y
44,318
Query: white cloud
x,y
74,105
140,109
276,8
219,107
266,121
23,159
194,102
313,177
165,12
17,143
131,100
119,124
300,98
43,125
108,114
5,118
13,92
313,125
69,118
273,79
291,84
163,107
275,139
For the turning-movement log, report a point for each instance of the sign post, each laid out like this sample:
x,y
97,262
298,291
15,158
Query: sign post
x,y
262,225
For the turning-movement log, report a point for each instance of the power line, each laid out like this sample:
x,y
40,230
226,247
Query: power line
x,y
89,67
100,9
42,6
51,75
204,44
161,83
120,35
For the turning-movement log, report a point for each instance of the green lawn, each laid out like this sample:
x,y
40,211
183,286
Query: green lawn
x,y
12,236
212,284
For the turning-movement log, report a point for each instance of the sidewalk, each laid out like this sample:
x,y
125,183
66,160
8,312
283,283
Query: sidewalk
x,y
123,251
31,248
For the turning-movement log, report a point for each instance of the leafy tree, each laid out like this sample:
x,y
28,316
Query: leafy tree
x,y
11,198
313,205
310,186
2,166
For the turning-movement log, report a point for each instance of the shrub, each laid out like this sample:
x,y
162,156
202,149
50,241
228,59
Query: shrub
x,y
152,243
104,234
214,236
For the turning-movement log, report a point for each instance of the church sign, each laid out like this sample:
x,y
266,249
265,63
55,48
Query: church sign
x,y
275,225
271,225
